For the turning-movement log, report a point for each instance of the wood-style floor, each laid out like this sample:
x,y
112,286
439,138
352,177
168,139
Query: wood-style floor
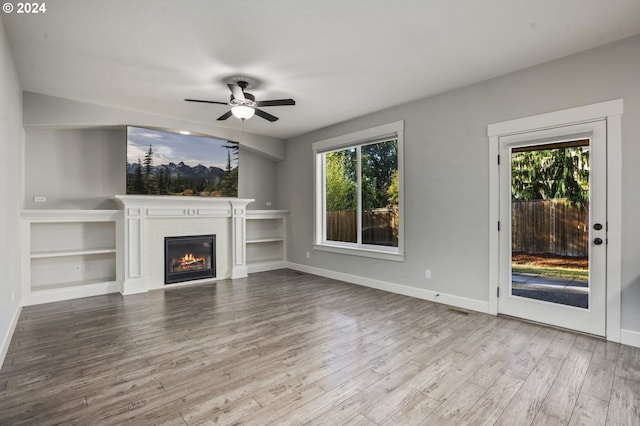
x,y
289,348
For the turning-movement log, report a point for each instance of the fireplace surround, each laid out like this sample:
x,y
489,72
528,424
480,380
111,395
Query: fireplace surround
x,y
189,258
148,219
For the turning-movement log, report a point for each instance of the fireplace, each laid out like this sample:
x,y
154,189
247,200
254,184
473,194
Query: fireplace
x,y
189,258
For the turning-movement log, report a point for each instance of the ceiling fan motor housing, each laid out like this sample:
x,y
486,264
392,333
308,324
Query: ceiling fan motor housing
x,y
249,100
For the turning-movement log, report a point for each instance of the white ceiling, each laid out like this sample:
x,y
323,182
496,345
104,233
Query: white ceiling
x,y
338,59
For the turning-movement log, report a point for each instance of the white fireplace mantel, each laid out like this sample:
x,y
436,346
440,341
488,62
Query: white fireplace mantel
x,y
140,212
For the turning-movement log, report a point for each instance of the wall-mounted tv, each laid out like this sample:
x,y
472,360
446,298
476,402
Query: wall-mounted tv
x,y
168,163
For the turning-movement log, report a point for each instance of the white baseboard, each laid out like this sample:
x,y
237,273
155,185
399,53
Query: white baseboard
x,y
6,340
630,337
266,266
67,293
420,293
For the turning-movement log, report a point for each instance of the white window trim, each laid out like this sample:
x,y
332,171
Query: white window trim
x,y
345,141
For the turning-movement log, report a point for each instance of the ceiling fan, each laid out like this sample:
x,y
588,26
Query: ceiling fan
x,y
244,105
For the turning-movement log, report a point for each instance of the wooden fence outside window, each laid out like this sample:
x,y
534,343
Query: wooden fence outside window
x,y
538,226
379,226
549,226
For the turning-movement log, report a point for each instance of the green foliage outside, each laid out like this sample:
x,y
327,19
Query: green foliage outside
x,y
371,169
576,274
340,180
556,173
551,174
393,192
379,163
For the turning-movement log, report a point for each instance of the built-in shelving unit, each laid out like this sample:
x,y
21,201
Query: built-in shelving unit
x,y
69,254
266,240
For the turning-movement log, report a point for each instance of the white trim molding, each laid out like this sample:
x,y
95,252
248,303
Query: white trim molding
x,y
630,337
6,339
405,290
610,111
563,117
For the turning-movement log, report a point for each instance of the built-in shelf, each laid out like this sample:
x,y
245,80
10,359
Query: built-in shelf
x,y
78,253
64,253
69,285
266,240
69,254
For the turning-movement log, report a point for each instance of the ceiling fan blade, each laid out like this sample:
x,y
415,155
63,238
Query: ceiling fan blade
x,y
276,102
266,115
224,116
236,91
207,102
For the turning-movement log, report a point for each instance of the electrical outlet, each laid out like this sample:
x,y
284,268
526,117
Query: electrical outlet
x,y
427,274
39,199
13,297
308,255
268,203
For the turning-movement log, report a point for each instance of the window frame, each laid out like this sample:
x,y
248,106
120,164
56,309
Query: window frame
x,y
360,138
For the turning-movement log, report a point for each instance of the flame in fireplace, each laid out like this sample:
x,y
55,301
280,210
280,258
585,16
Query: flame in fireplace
x,y
188,261
189,258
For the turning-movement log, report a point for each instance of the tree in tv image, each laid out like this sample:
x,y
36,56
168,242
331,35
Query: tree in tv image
x,y
167,163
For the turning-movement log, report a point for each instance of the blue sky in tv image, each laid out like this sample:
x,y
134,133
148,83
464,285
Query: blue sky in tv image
x,y
176,147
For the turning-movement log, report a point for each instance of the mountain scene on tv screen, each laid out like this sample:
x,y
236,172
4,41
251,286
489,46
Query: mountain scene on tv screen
x,y
166,163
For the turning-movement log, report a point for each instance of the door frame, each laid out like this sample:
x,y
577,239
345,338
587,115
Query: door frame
x,y
593,318
611,112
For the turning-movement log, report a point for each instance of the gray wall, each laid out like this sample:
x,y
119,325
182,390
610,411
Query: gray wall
x,y
447,172
50,112
257,180
85,168
74,169
11,137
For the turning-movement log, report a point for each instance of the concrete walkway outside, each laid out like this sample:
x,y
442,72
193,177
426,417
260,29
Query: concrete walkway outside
x,y
565,291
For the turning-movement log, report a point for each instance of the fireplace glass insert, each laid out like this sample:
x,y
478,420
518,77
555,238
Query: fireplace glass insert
x,y
189,258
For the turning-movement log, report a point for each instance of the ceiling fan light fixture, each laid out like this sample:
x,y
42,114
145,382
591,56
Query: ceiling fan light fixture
x,y
244,105
242,112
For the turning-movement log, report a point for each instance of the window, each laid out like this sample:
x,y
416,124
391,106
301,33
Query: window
x,y
359,193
